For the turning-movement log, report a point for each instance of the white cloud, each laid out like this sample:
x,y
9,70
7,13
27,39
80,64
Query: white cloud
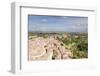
x,y
64,17
44,20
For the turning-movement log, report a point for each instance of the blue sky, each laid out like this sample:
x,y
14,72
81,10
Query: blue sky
x,y
57,23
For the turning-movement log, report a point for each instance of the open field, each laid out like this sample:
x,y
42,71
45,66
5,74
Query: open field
x,y
57,45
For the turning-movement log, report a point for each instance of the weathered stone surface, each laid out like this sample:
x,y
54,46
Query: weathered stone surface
x,y
47,49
